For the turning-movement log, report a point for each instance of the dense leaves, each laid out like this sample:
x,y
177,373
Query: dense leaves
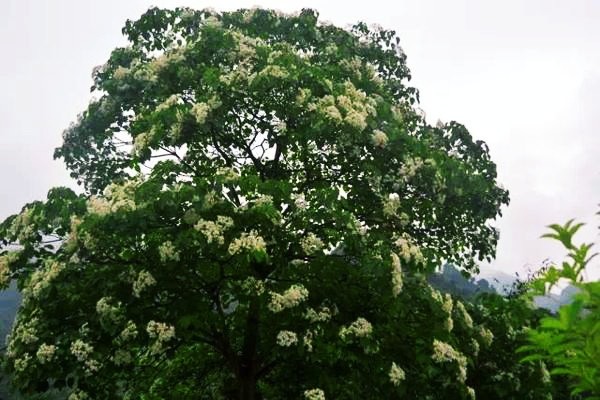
x,y
571,339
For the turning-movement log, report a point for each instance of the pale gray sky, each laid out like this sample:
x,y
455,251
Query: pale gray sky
x,y
522,75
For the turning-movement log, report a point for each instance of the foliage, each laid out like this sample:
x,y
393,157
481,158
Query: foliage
x,y
571,339
263,201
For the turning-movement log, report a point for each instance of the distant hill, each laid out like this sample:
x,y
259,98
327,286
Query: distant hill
x,y
451,280
9,303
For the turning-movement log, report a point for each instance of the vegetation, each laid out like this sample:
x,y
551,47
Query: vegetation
x,y
262,205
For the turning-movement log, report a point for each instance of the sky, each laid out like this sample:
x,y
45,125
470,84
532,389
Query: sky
x,y
524,76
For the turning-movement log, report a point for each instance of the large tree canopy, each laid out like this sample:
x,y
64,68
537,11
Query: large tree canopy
x,y
262,200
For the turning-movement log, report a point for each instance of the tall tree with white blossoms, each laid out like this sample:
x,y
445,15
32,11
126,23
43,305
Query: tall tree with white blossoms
x,y
262,200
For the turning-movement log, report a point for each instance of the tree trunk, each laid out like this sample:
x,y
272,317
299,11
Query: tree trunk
x,y
248,366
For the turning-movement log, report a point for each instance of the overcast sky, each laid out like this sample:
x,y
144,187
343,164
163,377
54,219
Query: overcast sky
x,y
522,75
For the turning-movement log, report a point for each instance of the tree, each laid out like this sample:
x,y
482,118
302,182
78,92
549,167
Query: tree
x,y
571,339
262,201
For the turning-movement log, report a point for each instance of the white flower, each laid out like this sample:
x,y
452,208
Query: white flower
x,y
45,353
396,275
120,73
168,103
447,304
213,230
323,315
252,286
359,328
408,250
168,252
299,201
98,205
43,277
213,22
292,297
143,281
81,350
21,364
27,332
391,205
471,393
161,333
487,337
410,167
141,143
200,112
227,174
303,96
443,353
311,244
356,120
379,138
286,338
129,332
314,394
107,311
273,71
464,316
247,241
78,395
396,374
307,341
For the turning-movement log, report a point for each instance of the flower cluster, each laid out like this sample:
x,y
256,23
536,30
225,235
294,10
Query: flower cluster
x,y
26,332
463,315
161,333
78,395
141,142
379,138
353,107
213,230
396,275
391,205
396,374
292,297
21,364
108,312
129,332
171,101
299,201
323,315
252,286
144,280
410,167
117,197
443,353
286,338
168,252
307,340
408,250
247,241
5,262
311,244
227,174
23,226
487,337
43,277
359,328
81,350
45,353
200,112
314,394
